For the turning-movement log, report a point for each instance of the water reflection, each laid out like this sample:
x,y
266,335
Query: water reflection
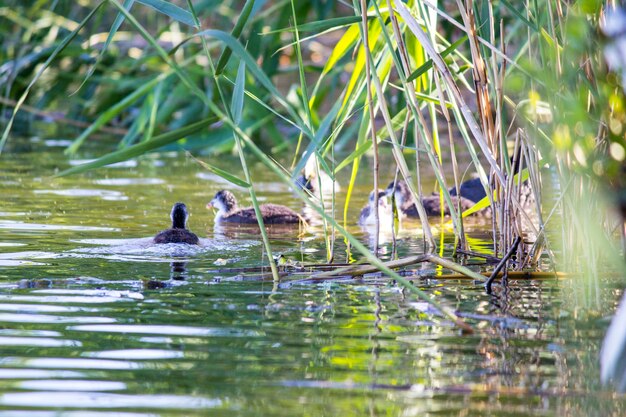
x,y
71,399
100,321
82,192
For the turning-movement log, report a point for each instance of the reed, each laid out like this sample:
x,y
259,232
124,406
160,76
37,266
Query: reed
x,y
516,91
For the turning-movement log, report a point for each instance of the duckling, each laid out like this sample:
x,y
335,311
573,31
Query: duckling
x,y
311,182
384,210
178,233
227,211
431,203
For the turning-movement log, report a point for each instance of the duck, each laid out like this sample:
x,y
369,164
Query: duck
x,y
431,203
471,189
228,212
385,215
178,233
310,181
474,190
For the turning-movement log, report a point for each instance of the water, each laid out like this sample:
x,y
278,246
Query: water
x,y
96,321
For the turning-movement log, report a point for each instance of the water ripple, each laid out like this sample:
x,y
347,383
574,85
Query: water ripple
x,y
70,363
108,195
87,400
63,299
93,293
37,341
13,225
167,330
129,181
136,354
46,318
131,163
15,373
37,308
72,385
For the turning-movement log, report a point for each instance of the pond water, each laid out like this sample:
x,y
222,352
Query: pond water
x,y
94,320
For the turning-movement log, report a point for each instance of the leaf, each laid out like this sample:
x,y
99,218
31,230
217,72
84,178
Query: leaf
x,y
428,64
320,25
141,148
303,87
321,132
171,10
519,15
241,22
58,49
128,4
113,111
236,106
257,72
397,122
217,171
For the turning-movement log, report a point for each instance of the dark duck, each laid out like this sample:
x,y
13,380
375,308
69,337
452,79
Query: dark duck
x,y
178,233
227,211
432,205
368,217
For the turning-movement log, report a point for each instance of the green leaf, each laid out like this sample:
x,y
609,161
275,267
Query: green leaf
x,y
58,49
227,176
236,106
258,73
317,140
397,122
141,148
128,4
519,15
171,10
428,64
241,22
114,110
320,25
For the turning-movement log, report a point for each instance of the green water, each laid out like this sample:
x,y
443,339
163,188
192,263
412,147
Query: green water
x,y
96,321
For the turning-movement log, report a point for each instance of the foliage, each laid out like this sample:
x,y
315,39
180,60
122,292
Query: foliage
x,y
483,78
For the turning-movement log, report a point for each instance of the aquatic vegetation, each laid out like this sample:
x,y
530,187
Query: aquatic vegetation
x,y
515,91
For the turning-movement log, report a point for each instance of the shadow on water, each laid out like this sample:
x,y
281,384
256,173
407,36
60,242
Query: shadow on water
x,y
96,319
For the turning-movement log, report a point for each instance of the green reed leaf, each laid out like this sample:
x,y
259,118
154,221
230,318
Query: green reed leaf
x,y
140,148
171,10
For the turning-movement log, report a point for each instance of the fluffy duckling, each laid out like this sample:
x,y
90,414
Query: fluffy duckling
x,y
432,206
178,233
385,214
310,181
227,211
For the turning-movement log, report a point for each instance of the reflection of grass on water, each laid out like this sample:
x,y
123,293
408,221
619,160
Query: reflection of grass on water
x,y
290,77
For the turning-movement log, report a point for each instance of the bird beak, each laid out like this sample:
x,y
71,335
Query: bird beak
x,y
209,206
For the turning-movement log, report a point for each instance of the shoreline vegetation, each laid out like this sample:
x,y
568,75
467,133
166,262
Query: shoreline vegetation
x,y
525,93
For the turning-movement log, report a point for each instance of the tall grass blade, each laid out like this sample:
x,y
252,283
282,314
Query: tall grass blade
x,y
452,87
429,63
217,171
321,25
241,22
171,10
235,114
128,4
236,105
257,72
140,148
113,111
57,50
